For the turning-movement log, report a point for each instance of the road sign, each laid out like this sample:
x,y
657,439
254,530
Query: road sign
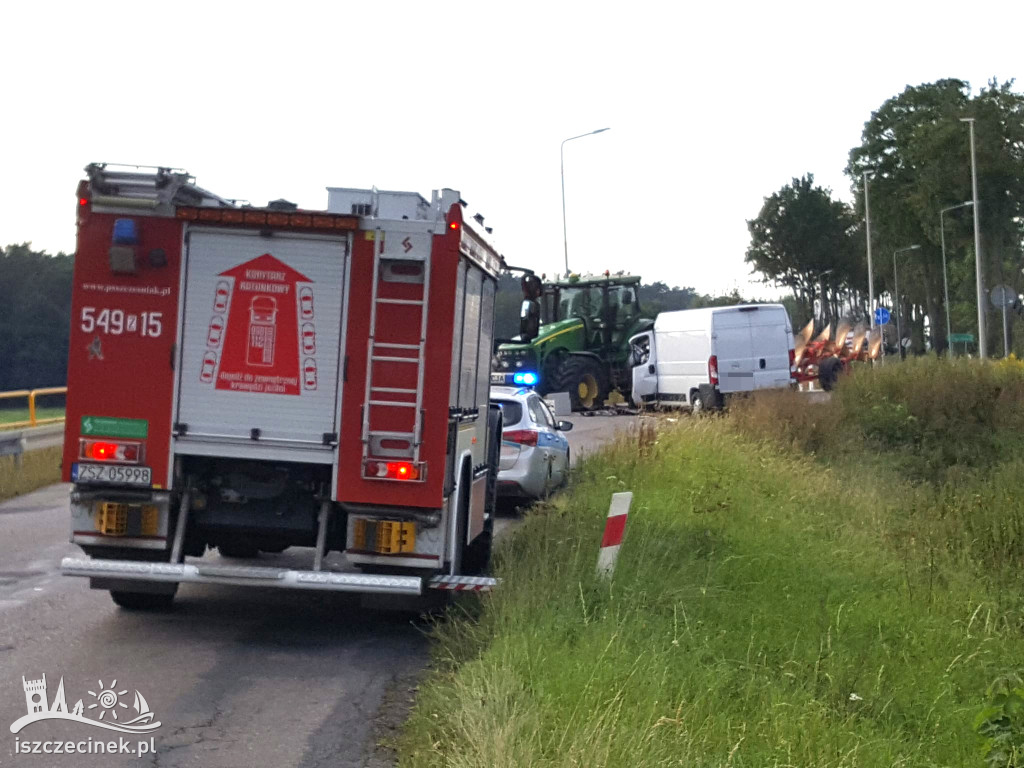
x,y
881,316
1003,296
961,338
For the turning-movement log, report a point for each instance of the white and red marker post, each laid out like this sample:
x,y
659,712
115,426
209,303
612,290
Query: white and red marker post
x,y
614,532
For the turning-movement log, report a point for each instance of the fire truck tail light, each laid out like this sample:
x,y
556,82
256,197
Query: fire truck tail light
x,y
380,469
109,450
453,225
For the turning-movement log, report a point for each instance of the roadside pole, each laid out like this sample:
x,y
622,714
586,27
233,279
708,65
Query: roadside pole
x,y
614,532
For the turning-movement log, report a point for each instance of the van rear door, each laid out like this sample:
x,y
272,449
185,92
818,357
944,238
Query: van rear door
x,y
731,344
771,337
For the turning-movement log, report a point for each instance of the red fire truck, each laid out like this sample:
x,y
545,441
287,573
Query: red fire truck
x,y
249,379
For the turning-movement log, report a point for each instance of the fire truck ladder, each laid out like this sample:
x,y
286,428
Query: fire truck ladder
x,y
379,395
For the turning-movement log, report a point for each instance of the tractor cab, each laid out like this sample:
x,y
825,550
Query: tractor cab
x,y
606,308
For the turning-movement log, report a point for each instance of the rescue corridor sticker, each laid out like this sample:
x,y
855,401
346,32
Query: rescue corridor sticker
x,y
106,426
263,319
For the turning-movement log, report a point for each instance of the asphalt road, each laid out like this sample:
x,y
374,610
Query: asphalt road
x,y
236,677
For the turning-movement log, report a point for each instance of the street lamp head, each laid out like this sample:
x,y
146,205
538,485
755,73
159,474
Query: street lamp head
x,y
966,119
601,130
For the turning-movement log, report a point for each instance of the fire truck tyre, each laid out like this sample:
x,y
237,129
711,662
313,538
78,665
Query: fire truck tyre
x,y
238,550
584,380
828,372
143,601
276,549
477,556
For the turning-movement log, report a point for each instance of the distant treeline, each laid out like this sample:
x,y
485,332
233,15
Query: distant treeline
x,y
35,310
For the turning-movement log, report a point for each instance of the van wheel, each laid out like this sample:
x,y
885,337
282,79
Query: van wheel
x,y
583,379
143,601
706,399
696,403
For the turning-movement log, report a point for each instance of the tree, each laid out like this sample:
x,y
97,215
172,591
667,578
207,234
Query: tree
x,y
803,239
35,310
918,153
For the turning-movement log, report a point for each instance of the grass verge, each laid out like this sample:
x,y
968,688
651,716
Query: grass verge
x,y
767,611
14,415
37,469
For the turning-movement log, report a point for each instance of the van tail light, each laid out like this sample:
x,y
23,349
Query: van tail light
x,y
382,469
713,370
113,451
792,363
521,436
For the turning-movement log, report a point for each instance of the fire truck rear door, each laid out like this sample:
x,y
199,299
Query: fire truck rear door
x,y
260,345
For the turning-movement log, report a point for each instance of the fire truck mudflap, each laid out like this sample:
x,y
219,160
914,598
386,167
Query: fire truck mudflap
x,y
250,380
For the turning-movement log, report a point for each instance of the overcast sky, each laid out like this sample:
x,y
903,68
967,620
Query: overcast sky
x,y
711,108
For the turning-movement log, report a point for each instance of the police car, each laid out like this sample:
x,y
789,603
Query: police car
x,y
534,449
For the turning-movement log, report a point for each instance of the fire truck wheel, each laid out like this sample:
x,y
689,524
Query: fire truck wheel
x,y
143,601
584,380
828,372
238,550
494,430
477,555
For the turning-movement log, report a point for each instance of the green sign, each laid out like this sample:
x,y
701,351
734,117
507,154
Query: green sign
x,y
961,338
105,426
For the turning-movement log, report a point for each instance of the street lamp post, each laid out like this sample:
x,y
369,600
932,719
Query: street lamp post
x,y
982,339
871,275
561,152
896,297
945,279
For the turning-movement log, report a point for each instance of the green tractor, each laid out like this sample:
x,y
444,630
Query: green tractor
x,y
574,338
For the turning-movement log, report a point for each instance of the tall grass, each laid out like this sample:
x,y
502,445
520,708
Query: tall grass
x,y
767,610
36,469
930,419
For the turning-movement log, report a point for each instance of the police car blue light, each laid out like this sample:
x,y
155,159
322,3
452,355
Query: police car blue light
x,y
526,378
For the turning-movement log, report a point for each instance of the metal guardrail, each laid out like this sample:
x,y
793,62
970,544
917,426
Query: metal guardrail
x,y
31,395
15,442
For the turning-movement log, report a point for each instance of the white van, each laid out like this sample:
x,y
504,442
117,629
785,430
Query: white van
x,y
693,357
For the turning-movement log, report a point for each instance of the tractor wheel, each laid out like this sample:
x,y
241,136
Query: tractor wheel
x,y
828,372
584,380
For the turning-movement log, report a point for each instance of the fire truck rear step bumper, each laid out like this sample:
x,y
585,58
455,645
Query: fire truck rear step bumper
x,y
261,576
